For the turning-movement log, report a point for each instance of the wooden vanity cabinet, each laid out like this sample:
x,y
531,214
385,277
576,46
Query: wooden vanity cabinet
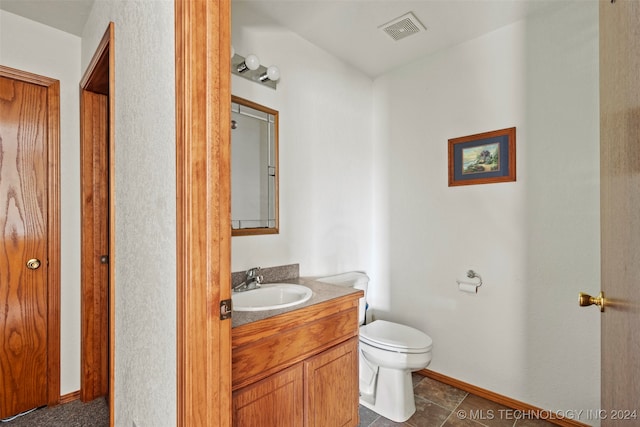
x,y
274,401
298,368
330,391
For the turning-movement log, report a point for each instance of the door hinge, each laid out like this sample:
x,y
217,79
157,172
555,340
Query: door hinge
x,y
225,309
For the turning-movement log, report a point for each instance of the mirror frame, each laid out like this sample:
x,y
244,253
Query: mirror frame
x,y
262,230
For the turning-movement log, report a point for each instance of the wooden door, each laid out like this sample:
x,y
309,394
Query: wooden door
x,y
620,209
95,246
29,270
97,210
203,130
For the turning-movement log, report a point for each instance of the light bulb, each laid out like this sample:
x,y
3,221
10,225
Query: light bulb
x,y
252,62
273,73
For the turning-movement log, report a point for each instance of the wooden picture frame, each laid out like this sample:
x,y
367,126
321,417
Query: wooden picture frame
x,y
483,158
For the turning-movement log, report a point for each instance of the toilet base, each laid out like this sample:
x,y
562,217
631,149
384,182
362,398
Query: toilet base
x,y
394,397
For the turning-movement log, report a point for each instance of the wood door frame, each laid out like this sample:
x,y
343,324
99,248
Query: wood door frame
x,y
203,121
53,224
100,78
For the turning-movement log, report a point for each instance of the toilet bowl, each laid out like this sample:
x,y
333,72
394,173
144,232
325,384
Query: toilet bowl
x,y
388,353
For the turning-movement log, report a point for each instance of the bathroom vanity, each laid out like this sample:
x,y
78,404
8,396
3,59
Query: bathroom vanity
x,y
298,366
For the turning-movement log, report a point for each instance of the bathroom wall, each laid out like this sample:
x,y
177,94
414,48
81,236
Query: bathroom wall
x,y
30,46
535,242
364,186
325,157
145,194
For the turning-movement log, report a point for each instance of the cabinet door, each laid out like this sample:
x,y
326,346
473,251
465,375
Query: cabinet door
x,y
275,401
331,387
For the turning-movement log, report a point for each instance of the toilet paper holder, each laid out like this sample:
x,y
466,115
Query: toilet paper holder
x,y
469,286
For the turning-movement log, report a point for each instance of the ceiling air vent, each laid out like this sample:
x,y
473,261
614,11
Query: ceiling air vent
x,y
402,27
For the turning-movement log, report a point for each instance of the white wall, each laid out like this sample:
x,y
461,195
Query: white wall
x,y
535,242
30,46
325,156
363,186
384,205
145,359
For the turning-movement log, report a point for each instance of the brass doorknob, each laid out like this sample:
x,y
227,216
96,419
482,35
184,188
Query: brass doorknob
x,y
586,300
33,264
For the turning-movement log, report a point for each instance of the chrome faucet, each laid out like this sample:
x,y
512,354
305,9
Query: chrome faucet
x,y
252,280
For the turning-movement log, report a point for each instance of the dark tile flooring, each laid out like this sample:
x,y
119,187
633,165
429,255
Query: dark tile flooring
x,y
440,405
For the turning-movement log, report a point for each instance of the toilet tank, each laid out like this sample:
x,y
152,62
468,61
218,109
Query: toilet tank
x,y
352,279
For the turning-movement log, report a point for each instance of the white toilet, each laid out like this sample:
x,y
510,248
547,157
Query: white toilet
x,y
389,352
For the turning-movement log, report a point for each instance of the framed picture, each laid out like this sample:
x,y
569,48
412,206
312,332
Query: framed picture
x,y
483,158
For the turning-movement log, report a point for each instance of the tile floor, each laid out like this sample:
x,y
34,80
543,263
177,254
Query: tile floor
x,y
440,405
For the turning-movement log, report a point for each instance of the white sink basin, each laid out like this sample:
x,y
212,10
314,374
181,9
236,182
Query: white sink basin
x,y
270,297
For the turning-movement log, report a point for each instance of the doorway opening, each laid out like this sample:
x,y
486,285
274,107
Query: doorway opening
x,y
97,105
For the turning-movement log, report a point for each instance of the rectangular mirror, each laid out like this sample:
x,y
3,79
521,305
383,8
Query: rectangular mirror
x,y
254,168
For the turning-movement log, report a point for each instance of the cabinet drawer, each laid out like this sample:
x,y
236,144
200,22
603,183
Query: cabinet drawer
x,y
269,354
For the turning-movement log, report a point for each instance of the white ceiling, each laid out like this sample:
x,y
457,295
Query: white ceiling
x,y
66,15
348,29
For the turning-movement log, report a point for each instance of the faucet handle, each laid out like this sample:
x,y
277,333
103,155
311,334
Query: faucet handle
x,y
252,272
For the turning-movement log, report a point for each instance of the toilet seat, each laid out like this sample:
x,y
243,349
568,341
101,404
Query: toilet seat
x,y
395,337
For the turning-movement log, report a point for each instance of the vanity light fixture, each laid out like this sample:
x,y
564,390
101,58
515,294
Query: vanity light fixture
x,y
250,68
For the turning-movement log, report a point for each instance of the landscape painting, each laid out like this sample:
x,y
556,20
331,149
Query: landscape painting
x,y
483,158
480,159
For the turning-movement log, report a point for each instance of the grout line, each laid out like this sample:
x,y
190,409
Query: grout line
x,y
456,408
452,413
447,409
440,406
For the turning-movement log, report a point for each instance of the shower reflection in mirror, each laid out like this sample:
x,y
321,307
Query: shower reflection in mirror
x,y
254,168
